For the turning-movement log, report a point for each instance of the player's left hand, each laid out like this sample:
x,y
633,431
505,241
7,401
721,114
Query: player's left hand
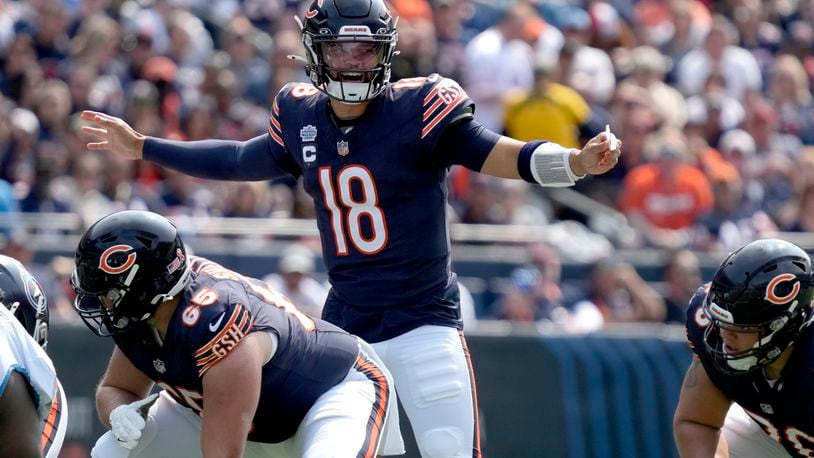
x,y
599,155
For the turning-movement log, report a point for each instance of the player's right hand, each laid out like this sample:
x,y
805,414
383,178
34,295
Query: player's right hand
x,y
113,134
127,421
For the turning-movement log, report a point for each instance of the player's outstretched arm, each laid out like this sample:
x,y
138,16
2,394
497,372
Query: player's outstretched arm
x,y
251,160
550,164
700,414
20,425
231,391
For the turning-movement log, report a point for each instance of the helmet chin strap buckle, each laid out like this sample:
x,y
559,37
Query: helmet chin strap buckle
x,y
778,323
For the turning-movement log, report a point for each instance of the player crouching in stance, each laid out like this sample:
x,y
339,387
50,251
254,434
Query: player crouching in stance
x,y
750,330
243,372
33,409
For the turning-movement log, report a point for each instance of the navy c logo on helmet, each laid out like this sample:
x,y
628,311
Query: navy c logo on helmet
x,y
105,260
772,297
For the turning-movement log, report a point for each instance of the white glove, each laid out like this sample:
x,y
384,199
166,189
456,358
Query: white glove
x,y
128,420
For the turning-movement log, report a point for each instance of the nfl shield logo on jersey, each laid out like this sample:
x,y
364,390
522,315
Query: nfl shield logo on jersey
x,y
767,408
159,366
342,148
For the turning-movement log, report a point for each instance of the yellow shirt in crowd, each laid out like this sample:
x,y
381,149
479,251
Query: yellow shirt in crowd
x,y
555,116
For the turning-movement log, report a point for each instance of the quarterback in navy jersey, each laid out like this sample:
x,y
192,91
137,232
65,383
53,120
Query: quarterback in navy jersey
x,y
374,156
750,331
233,356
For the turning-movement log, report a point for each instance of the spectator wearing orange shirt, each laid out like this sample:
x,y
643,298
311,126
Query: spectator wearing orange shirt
x,y
664,197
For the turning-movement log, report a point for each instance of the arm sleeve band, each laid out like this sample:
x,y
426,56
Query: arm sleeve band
x,y
546,163
251,160
467,143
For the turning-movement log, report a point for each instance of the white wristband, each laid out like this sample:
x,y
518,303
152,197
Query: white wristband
x,y
551,167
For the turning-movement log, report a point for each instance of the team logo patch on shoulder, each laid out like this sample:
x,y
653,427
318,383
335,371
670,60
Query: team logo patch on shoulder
x,y
308,133
342,148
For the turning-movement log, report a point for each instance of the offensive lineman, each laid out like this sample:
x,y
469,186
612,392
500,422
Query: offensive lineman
x,y
750,389
244,373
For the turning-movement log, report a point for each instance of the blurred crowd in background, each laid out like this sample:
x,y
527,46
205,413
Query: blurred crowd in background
x,y
712,99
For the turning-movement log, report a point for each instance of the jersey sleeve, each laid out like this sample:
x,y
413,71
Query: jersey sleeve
x,y
20,353
224,321
279,150
443,102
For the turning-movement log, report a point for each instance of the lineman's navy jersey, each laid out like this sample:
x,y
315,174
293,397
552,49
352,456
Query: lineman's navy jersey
x,y
218,310
785,411
380,196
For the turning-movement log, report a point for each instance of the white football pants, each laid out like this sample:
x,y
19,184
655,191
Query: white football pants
x,y
436,386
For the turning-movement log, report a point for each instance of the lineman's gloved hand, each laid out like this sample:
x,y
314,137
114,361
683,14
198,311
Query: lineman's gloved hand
x,y
128,420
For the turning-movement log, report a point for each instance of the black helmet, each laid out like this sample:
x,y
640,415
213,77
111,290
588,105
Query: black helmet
x,y
336,28
23,296
765,287
131,261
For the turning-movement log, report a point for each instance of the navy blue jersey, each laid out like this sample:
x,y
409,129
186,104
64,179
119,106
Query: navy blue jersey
x,y
380,195
218,310
786,410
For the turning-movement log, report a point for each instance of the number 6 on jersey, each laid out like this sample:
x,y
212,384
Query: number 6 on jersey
x,y
356,209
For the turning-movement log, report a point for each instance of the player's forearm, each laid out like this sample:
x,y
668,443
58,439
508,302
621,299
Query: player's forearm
x,y
221,446
214,159
110,397
695,440
225,435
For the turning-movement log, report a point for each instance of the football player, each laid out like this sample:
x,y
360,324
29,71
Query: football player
x,y
236,360
750,330
374,157
33,411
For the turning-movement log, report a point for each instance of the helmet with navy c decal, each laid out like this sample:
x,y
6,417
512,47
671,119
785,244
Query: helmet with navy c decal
x,y
126,264
764,287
